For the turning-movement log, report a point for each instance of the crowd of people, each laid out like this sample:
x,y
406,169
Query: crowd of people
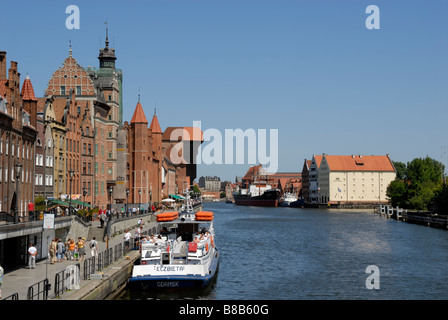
x,y
71,249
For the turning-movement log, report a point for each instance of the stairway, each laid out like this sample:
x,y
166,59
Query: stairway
x,y
95,231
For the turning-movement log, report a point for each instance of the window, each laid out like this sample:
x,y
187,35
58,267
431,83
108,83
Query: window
x,y
78,90
62,90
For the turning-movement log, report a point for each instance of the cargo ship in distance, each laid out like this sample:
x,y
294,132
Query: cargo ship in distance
x,y
256,189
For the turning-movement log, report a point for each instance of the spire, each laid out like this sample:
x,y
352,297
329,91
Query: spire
x,y
27,90
139,115
107,36
155,126
70,50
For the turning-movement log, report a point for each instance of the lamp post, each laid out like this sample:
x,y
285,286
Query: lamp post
x,y
18,168
71,173
140,199
84,193
110,202
127,202
150,201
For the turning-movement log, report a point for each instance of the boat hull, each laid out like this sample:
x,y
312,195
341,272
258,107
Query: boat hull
x,y
175,281
170,282
257,203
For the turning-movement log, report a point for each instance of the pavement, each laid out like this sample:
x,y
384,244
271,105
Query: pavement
x,y
18,281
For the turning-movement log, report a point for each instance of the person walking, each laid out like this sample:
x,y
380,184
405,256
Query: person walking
x,y
32,251
52,249
60,251
127,239
101,218
71,249
94,247
81,249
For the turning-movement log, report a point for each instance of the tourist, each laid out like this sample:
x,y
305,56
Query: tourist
x,y
60,250
72,248
101,218
81,248
32,251
127,239
31,210
137,235
52,249
94,247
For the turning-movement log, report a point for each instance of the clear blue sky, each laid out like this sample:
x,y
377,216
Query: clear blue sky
x,y
310,69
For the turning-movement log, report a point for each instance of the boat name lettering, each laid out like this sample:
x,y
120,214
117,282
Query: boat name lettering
x,y
169,268
165,284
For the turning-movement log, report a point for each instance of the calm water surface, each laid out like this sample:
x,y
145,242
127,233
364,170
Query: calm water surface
x,y
291,254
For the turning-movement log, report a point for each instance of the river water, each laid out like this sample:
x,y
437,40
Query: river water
x,y
318,254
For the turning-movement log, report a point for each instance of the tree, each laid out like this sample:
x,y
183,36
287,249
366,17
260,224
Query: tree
x,y
417,185
401,170
397,193
423,170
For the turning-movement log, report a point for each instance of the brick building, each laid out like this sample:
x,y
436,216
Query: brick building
x,y
17,136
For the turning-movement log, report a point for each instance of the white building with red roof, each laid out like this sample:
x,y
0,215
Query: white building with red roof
x,y
354,179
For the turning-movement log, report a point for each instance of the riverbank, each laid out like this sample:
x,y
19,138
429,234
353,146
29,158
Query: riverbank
x,y
100,281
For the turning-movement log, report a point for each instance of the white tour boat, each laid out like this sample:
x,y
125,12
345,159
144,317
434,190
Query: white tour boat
x,y
184,254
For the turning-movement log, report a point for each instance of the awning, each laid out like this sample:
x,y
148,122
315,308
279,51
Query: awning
x,y
59,202
177,197
81,203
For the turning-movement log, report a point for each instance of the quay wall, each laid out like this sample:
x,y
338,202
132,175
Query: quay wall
x,y
111,283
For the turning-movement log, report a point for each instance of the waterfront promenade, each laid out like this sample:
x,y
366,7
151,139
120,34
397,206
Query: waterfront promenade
x,y
18,281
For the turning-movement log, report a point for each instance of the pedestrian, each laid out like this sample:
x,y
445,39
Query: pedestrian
x,y
32,251
101,218
1,280
60,251
94,247
127,239
72,247
31,210
81,248
66,249
137,236
52,249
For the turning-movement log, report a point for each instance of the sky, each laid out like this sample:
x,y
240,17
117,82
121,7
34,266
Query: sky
x,y
311,70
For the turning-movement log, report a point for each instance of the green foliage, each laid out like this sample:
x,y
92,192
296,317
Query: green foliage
x,y
401,170
418,185
39,204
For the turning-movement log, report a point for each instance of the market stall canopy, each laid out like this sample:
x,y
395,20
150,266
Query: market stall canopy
x,y
176,197
81,203
168,200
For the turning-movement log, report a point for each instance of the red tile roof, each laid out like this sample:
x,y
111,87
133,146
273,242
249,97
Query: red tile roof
x,y
139,115
27,90
188,133
318,160
155,126
359,163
